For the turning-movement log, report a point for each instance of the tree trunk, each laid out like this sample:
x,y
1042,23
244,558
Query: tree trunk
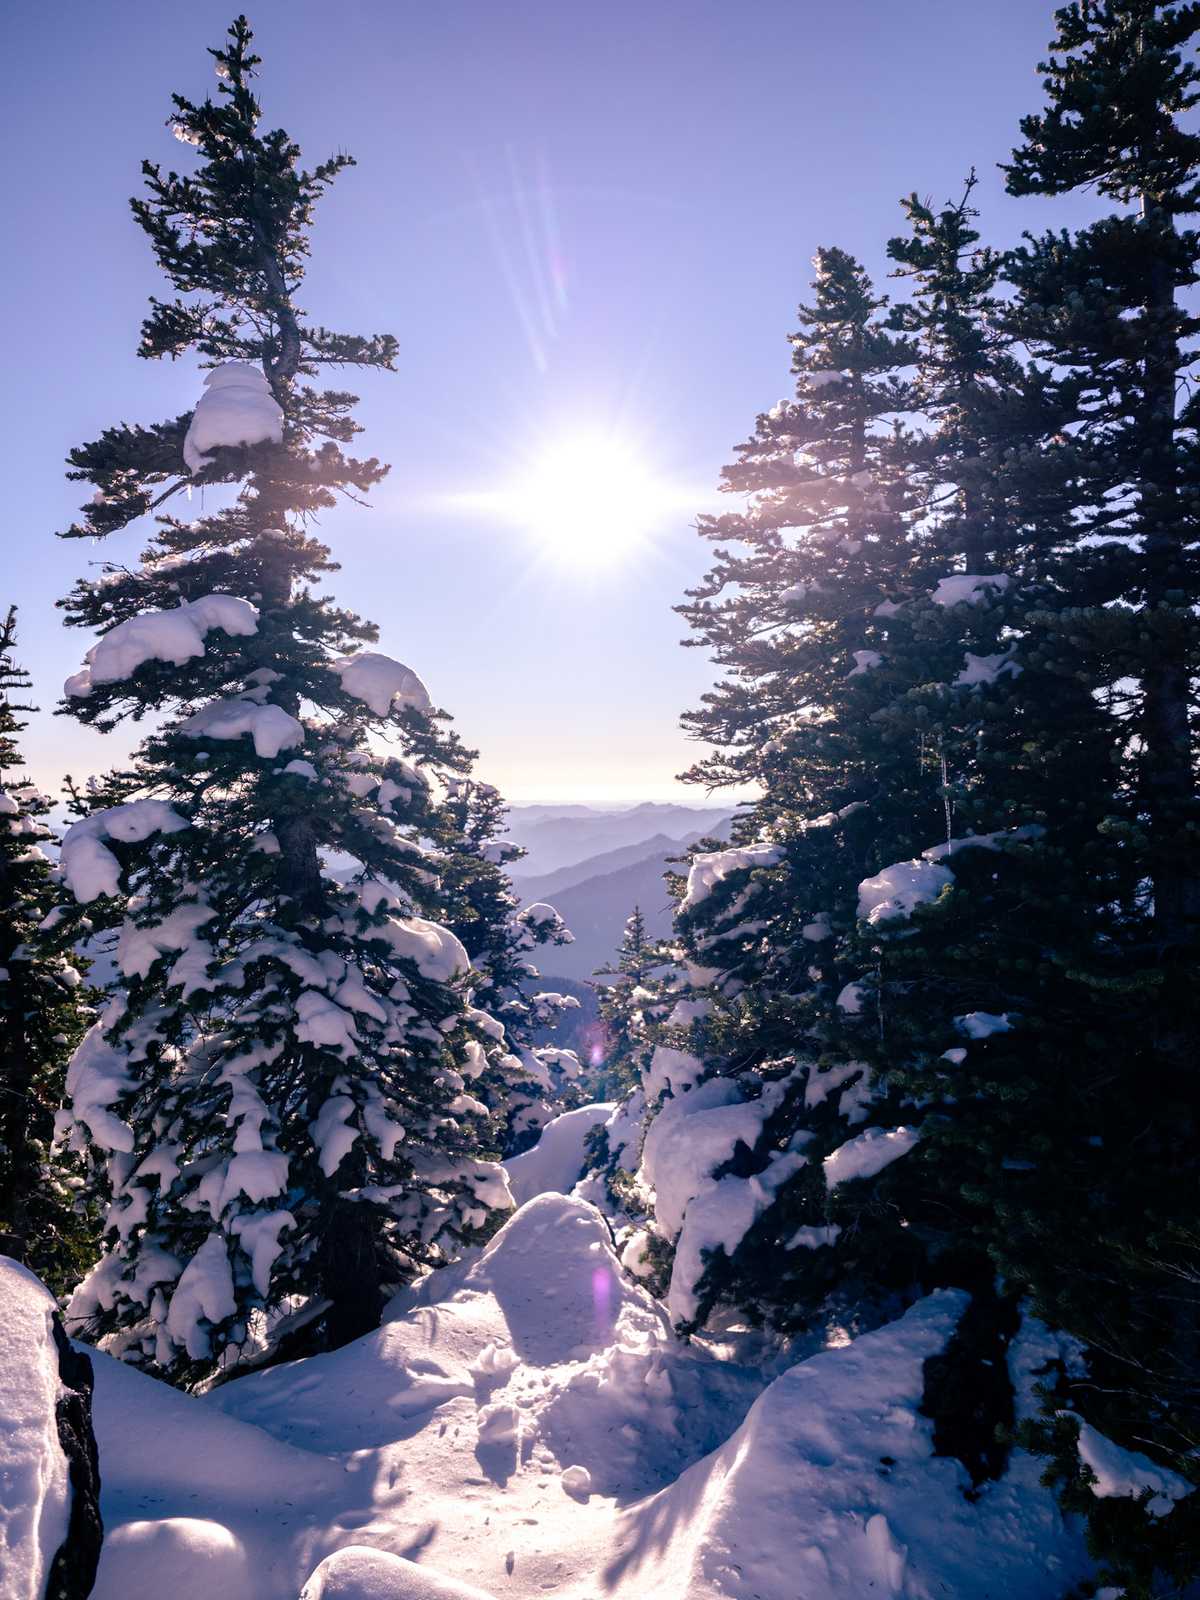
x,y
73,1570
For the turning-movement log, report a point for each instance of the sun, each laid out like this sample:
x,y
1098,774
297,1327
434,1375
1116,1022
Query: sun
x,y
587,499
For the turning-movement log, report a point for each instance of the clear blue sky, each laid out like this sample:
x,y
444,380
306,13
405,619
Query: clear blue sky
x,y
574,217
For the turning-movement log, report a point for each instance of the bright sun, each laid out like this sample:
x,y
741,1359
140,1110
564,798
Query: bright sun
x,y
588,499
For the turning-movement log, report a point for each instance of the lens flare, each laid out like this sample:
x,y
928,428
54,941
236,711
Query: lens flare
x,y
588,499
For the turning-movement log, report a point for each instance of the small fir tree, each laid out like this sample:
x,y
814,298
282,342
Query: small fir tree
x,y
528,1084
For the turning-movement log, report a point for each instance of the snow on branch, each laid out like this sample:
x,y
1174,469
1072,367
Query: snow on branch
x,y
173,636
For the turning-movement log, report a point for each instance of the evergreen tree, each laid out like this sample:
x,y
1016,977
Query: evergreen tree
x,y
528,1084
42,1013
1100,1229
277,1105
626,1007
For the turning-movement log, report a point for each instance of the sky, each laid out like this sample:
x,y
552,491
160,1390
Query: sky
x,y
588,226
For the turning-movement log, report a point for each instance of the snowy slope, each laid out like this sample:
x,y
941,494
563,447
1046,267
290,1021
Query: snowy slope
x,y
524,1423
555,1164
34,1490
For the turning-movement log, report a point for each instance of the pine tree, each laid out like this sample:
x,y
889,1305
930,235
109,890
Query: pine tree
x,y
1100,1232
626,1006
277,1105
529,1084
904,813
42,1013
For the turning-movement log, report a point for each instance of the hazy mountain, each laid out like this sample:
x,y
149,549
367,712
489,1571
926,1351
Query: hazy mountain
x,y
546,885
596,909
556,841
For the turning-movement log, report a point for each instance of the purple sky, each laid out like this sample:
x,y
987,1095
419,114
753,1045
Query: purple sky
x,y
578,220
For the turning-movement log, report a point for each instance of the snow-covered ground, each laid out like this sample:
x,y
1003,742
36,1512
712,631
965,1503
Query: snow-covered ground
x,y
524,1424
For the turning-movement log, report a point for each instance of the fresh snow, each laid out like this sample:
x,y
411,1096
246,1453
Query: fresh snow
x,y
864,661
982,1024
381,683
670,1070
524,1424
34,1489
709,870
89,868
968,588
897,891
867,1153
172,637
850,999
270,727
1121,1472
236,408
979,670
555,1163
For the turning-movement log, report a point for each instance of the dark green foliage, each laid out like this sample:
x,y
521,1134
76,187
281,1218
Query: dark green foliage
x,y
44,1220
1032,1014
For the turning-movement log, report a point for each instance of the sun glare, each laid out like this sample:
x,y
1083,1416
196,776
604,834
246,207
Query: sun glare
x,y
588,500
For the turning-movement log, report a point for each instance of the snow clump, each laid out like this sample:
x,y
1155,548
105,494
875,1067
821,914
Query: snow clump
x,y
236,408
173,636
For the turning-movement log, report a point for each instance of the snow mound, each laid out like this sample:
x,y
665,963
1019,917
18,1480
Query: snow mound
x,y
555,1162
358,1573
236,408
381,683
173,636
270,727
187,1558
89,868
523,1424
34,1488
709,870
829,1490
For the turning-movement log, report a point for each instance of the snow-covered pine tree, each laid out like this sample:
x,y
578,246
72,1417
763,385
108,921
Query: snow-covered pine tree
x,y
528,1083
276,1105
626,1005
42,1013
632,1005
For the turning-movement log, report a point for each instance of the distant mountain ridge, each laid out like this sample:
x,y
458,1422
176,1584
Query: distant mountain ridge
x,y
596,907
548,884
555,840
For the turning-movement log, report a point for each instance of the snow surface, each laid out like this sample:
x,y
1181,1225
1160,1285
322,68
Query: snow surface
x,y
173,637
523,1424
555,1163
35,1495
236,408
